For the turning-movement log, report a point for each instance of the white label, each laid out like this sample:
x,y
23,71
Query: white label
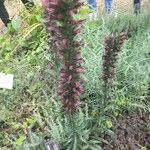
x,y
6,81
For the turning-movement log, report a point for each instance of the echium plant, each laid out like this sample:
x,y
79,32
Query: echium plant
x,y
63,32
113,44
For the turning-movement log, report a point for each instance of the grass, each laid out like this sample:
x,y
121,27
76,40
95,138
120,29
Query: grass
x,y
32,111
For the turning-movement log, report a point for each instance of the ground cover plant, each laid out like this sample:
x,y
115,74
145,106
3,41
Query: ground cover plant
x,y
32,111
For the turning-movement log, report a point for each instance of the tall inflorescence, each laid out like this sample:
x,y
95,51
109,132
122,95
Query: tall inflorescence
x,y
63,39
113,44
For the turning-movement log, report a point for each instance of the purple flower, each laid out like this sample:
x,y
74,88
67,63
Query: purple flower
x,y
113,44
62,29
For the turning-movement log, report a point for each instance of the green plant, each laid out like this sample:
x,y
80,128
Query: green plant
x,y
113,44
63,30
34,96
143,148
72,132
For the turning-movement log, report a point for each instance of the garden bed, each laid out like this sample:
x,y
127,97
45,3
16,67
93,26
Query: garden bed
x,y
130,132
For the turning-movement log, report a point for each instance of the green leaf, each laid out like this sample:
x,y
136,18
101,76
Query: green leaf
x,y
31,120
16,126
85,11
16,23
20,140
75,143
109,124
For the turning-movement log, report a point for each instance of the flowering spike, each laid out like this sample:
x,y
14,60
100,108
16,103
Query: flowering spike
x,y
113,44
63,29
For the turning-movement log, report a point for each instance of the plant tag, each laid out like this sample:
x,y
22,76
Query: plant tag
x,y
6,81
51,145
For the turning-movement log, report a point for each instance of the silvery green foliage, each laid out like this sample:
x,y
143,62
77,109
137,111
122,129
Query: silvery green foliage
x,y
132,67
72,132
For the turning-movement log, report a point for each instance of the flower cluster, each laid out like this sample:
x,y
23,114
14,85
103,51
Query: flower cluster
x,y
63,40
113,44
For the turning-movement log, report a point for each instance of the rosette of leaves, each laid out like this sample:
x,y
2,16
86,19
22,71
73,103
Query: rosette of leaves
x,y
113,44
63,31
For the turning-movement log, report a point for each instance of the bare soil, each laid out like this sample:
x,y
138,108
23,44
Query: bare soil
x,y
130,132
